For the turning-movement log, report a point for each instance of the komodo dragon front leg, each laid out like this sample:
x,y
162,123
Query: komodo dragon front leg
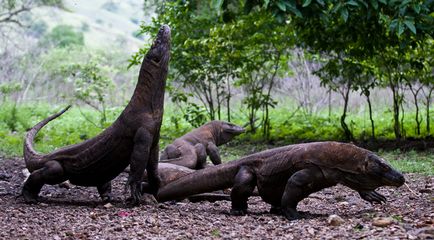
x,y
213,153
300,185
170,152
143,157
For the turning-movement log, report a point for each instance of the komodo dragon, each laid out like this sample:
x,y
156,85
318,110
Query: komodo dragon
x,y
131,139
286,175
191,150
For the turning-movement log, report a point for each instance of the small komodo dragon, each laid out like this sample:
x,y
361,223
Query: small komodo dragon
x,y
286,175
192,149
131,139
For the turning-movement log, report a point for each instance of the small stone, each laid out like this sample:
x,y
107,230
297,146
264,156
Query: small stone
x,y
311,231
108,205
382,221
335,220
92,215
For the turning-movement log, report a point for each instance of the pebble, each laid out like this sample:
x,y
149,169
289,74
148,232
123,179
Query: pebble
x,y
382,221
108,205
335,220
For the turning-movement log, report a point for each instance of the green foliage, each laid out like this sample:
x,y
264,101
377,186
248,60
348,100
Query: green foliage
x,y
411,162
63,36
38,28
92,85
9,88
73,128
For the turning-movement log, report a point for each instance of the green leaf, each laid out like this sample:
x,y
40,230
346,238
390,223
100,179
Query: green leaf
x,y
410,25
344,13
374,4
416,8
400,28
352,3
321,2
306,3
266,2
383,2
281,5
296,12
217,4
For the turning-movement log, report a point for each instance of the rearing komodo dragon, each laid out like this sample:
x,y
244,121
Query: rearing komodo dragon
x,y
192,149
286,175
131,139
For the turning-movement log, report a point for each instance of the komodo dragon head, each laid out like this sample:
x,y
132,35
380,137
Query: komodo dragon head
x,y
225,131
373,173
158,55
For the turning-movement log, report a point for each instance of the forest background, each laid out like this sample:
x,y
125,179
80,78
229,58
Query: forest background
x,y
288,71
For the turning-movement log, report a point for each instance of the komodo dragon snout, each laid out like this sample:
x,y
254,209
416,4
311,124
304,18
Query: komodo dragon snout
x,y
375,172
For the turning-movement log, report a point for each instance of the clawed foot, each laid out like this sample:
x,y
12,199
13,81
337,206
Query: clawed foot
x,y
107,198
238,212
146,199
276,210
149,199
136,193
290,214
29,198
372,197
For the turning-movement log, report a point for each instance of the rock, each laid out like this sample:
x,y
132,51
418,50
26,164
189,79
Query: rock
x,y
382,221
5,176
335,220
108,205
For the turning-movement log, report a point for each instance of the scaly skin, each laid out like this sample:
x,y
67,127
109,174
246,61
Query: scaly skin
x,y
192,149
171,172
131,139
286,175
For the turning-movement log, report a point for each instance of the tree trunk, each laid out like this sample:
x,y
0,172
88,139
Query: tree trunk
x,y
228,100
347,131
415,93
428,99
368,99
396,121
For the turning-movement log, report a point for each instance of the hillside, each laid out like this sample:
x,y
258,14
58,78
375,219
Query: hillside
x,y
104,22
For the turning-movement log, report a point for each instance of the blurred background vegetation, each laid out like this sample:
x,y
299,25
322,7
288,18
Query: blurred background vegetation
x,y
289,71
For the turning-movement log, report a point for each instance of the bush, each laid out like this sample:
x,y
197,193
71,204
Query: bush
x,y
63,36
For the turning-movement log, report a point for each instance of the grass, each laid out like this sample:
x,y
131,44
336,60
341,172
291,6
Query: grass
x,y
73,128
411,161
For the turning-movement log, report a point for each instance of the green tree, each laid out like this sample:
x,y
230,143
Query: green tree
x,y
92,85
63,36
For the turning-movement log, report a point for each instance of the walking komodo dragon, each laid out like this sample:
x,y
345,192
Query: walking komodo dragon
x,y
192,149
131,139
286,175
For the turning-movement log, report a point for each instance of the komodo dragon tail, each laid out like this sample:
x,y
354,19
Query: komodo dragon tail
x,y
201,181
31,157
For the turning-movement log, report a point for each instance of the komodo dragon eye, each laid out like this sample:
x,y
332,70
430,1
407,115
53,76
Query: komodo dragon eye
x,y
384,168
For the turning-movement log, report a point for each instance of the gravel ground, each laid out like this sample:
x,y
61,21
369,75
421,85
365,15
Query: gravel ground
x,y
77,213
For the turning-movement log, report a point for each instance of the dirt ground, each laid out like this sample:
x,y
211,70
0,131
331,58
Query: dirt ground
x,y
77,213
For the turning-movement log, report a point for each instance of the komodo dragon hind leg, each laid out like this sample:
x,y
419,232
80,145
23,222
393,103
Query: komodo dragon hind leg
x,y
105,191
51,173
244,184
298,187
